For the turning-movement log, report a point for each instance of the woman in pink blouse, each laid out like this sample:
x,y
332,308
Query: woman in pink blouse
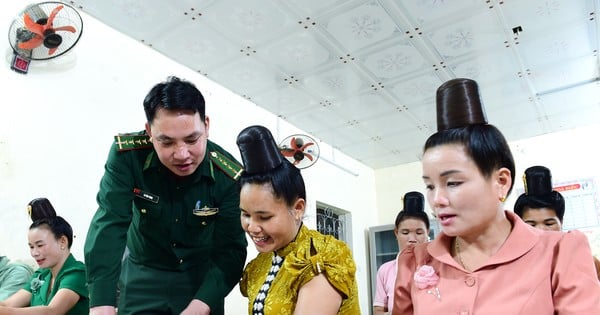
x,y
410,227
486,260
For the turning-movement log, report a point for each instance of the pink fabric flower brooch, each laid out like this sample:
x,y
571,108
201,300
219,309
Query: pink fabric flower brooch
x,y
426,278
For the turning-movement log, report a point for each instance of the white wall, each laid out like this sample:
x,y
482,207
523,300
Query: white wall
x,y
570,155
57,124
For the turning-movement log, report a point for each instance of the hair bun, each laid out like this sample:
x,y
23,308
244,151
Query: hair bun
x,y
40,208
413,202
258,149
537,180
459,104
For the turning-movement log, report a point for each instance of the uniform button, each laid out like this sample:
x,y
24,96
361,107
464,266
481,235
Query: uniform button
x,y
181,261
176,220
174,244
203,222
143,211
470,281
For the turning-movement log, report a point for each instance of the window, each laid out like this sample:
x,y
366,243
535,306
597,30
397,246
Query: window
x,y
335,222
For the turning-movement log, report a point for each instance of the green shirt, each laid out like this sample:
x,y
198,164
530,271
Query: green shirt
x,y
71,276
12,277
159,227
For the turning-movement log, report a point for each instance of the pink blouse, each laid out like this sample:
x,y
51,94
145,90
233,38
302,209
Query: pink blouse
x,y
386,279
534,272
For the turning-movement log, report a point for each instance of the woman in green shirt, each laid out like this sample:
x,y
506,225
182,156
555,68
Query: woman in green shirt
x,y
58,286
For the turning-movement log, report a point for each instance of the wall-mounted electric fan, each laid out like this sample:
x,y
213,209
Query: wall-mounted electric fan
x,y
43,31
301,150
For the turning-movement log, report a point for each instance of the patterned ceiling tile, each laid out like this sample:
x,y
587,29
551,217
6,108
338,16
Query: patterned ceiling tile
x,y
335,83
317,119
366,149
477,33
364,106
391,123
565,74
361,73
296,53
417,89
539,16
285,101
136,18
425,13
488,67
504,92
579,96
361,27
246,76
314,7
250,22
557,44
425,113
202,49
346,135
498,116
398,59
406,141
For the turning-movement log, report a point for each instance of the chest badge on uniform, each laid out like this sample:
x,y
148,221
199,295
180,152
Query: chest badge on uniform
x,y
145,195
204,211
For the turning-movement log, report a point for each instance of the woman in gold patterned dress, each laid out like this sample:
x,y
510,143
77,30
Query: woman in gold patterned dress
x,y
297,270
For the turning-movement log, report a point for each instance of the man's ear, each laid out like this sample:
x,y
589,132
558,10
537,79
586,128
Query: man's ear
x,y
148,130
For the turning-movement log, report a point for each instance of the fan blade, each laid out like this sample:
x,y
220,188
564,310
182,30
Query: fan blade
x,y
293,143
68,28
52,16
52,50
32,26
308,156
306,145
35,42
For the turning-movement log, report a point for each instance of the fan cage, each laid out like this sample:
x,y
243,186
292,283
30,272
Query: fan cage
x,y
67,16
313,150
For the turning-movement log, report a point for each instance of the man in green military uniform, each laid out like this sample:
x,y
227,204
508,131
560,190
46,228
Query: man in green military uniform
x,y
171,196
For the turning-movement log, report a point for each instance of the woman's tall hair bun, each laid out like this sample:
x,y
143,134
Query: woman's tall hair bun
x,y
40,208
258,149
459,104
413,202
537,180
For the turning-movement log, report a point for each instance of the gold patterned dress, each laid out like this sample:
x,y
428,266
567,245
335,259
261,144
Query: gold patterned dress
x,y
308,255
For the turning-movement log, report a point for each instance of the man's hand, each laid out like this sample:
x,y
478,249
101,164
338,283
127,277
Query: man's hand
x,y
103,310
196,307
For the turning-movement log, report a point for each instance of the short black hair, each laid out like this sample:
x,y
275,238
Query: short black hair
x,y
174,94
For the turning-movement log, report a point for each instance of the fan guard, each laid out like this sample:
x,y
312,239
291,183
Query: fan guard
x,y
61,40
300,150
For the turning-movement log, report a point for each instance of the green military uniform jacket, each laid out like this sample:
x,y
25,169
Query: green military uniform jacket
x,y
71,276
143,205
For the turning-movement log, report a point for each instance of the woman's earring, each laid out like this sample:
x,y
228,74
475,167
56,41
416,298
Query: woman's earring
x,y
502,199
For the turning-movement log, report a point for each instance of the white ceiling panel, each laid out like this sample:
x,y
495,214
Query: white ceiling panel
x,y
361,75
